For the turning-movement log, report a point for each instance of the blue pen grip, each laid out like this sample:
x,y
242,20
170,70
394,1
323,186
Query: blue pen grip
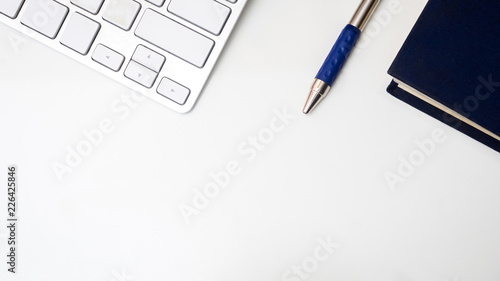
x,y
339,54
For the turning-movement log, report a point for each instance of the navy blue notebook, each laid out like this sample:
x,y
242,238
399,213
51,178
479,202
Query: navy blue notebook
x,y
449,67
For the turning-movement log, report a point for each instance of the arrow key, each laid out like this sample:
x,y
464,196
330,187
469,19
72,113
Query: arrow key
x,y
108,57
173,91
148,58
140,74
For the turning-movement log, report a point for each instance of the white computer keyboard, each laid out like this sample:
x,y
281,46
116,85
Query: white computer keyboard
x,y
164,49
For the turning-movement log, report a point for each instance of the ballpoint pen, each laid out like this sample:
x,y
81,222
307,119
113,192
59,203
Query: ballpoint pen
x,y
339,54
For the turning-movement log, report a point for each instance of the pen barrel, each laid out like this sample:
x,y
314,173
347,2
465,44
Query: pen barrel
x,y
339,54
364,12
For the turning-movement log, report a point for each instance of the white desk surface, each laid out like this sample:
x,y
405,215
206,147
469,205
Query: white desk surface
x,y
321,177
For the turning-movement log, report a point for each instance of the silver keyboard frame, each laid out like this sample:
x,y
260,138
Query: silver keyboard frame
x,y
125,43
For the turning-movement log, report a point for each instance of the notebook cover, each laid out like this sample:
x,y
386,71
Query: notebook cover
x,y
453,56
449,120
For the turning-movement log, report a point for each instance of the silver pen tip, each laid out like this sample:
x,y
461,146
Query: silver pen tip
x,y
318,91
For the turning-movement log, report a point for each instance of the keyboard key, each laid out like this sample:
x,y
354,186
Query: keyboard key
x,y
207,14
148,58
173,90
139,43
158,3
91,6
121,13
44,16
174,38
140,74
108,57
80,33
11,8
